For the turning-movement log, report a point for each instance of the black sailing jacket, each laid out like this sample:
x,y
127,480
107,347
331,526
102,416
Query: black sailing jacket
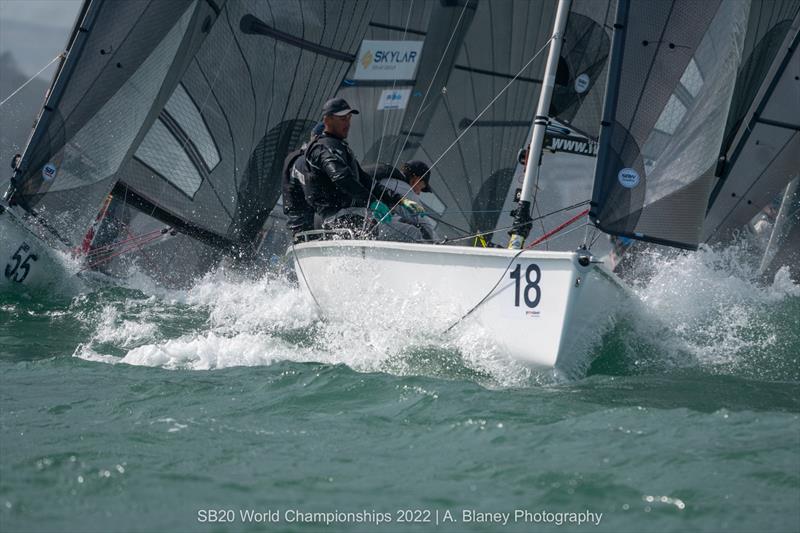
x,y
335,179
300,215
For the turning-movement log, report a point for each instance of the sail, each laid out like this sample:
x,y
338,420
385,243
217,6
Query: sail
x,y
118,58
583,66
564,186
210,164
474,153
185,111
762,138
413,35
671,79
394,61
470,107
768,25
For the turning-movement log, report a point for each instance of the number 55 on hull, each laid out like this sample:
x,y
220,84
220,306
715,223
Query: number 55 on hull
x,y
541,308
27,261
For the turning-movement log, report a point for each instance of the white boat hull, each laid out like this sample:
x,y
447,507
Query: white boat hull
x,y
540,308
29,261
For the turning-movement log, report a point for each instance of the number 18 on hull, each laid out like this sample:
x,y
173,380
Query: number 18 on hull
x,y
545,309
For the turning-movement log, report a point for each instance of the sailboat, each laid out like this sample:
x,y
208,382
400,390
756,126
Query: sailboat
x,y
759,163
162,135
669,85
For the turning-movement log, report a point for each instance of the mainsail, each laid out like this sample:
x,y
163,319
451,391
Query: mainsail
x,y
563,186
670,86
248,96
470,106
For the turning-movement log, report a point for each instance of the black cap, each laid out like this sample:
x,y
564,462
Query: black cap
x,y
338,107
417,168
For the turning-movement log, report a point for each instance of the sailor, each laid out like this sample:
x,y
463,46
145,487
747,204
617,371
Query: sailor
x,y
404,186
416,180
418,176
299,214
338,189
397,223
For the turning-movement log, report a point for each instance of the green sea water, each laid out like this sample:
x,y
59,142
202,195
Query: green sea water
x,y
232,406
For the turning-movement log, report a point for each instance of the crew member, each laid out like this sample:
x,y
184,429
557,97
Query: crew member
x,y
418,176
408,184
299,214
337,184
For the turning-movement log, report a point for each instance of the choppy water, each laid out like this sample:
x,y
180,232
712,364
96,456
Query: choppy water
x,y
140,409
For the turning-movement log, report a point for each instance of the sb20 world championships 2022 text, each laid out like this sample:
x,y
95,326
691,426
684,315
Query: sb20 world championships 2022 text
x,y
399,516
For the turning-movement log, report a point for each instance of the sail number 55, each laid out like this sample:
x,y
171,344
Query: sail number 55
x,y
21,265
531,292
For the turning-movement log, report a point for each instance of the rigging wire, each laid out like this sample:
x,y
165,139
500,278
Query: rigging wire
x,y
513,226
430,85
483,111
18,89
383,132
488,294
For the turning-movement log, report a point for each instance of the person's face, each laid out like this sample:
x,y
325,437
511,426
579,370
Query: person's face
x,y
417,184
338,126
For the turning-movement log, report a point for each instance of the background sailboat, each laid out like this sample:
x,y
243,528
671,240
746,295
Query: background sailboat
x,y
182,111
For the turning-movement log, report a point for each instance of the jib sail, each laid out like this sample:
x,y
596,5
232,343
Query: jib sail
x,y
671,79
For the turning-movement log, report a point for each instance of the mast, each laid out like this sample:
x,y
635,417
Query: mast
x,y
522,215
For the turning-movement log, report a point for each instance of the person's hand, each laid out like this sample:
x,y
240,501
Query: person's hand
x,y
413,206
381,212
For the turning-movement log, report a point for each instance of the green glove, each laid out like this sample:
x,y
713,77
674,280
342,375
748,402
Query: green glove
x,y
381,212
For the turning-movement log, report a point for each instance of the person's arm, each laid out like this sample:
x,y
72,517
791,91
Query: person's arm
x,y
333,163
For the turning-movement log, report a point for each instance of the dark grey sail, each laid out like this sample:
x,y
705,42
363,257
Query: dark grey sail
x,y
673,67
117,61
564,186
476,178
210,163
184,111
389,102
475,154
760,150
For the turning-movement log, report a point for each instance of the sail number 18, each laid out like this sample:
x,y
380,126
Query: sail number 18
x,y
533,275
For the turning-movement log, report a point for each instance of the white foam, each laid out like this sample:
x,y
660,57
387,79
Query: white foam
x,y
253,322
112,328
710,307
704,308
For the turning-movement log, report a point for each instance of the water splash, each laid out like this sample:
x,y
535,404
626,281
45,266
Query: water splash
x,y
228,320
703,310
710,310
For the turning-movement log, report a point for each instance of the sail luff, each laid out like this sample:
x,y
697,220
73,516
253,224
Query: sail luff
x,y
78,37
609,105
